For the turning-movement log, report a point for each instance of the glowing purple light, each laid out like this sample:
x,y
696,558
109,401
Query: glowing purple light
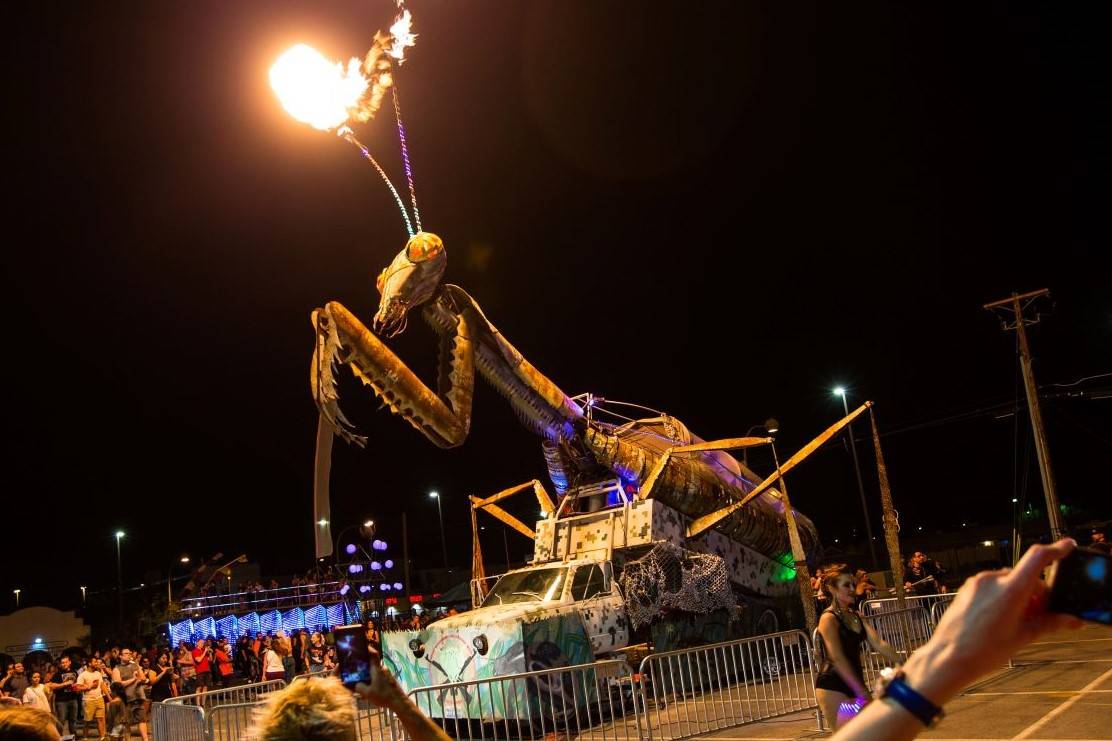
x,y
398,585
364,589
345,589
375,566
379,545
355,568
384,586
350,548
389,564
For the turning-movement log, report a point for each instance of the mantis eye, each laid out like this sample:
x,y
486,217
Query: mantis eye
x,y
423,246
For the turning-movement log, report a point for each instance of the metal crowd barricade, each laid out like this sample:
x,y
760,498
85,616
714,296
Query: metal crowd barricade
x,y
174,722
585,701
904,630
696,690
889,604
238,695
940,605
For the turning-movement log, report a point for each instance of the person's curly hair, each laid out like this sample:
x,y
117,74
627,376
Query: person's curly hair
x,y
24,723
316,709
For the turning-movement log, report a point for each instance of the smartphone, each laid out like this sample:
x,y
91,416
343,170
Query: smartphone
x,y
1081,585
352,654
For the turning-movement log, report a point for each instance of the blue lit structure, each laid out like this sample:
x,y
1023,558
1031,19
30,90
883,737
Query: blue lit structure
x,y
180,632
228,628
335,615
204,628
270,622
316,619
249,625
293,619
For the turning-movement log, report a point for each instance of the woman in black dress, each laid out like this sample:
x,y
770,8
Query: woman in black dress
x,y
841,633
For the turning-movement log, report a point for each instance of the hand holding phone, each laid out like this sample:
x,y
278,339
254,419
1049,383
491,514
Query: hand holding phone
x,y
1081,585
353,655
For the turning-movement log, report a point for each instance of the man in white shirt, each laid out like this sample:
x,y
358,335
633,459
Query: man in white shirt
x,y
91,683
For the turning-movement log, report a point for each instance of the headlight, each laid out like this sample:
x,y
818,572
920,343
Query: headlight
x,y
480,644
417,647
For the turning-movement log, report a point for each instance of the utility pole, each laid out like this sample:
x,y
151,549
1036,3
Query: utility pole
x,y
1018,304
802,574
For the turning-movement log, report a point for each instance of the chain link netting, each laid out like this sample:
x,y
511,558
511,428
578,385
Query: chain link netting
x,y
671,578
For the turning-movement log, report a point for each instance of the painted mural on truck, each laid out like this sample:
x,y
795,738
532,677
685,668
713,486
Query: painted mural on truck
x,y
517,638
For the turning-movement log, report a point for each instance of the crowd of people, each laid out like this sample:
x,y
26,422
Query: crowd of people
x,y
113,688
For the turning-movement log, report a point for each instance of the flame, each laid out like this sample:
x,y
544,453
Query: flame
x,y
401,36
316,91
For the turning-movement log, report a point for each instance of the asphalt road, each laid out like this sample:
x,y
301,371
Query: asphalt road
x,y
1059,688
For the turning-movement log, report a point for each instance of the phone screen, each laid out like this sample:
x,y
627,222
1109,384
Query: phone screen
x,y
352,654
1081,585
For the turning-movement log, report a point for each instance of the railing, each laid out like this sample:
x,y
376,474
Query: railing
x,y
904,630
888,604
173,722
696,690
300,596
243,693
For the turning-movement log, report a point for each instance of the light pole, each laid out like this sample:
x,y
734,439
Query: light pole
x,y
443,537
170,581
82,596
16,592
771,426
119,584
860,485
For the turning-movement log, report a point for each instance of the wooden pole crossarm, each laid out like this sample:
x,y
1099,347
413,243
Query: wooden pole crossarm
x,y
480,503
505,517
1005,302
708,521
730,443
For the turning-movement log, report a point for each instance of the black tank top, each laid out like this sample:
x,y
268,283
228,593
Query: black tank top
x,y
851,647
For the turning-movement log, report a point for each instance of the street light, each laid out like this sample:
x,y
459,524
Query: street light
x,y
840,391
16,592
771,426
119,584
82,596
443,537
170,580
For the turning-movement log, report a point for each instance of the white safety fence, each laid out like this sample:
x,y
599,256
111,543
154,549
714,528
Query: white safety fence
x,y
229,695
696,690
904,630
890,604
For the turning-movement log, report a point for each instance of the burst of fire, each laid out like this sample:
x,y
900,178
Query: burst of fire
x,y
402,36
326,94
316,91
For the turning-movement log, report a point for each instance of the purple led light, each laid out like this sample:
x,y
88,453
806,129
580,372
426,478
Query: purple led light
x,y
350,548
364,589
375,566
389,564
398,585
355,568
383,587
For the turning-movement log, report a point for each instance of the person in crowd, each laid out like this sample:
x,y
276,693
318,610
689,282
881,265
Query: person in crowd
x,y
25,723
117,713
187,668
14,682
285,650
298,649
202,662
91,683
272,661
129,675
160,679
242,658
816,589
35,694
320,709
1099,541
113,658
994,614
922,574
842,632
225,672
66,700
374,637
316,652
865,588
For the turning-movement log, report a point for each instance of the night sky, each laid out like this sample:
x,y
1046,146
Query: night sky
x,y
719,210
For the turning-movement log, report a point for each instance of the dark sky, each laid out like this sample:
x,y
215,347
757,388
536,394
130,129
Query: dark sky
x,y
718,210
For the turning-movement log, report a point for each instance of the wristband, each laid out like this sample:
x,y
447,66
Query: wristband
x,y
894,687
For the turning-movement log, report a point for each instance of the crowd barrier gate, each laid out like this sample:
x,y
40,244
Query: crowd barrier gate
x,y
237,695
722,685
173,722
888,604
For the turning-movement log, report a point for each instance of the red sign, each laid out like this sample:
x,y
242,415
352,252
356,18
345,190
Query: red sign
x,y
391,600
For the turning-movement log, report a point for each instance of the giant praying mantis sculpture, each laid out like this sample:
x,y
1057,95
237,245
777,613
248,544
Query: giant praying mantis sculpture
x,y
578,448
